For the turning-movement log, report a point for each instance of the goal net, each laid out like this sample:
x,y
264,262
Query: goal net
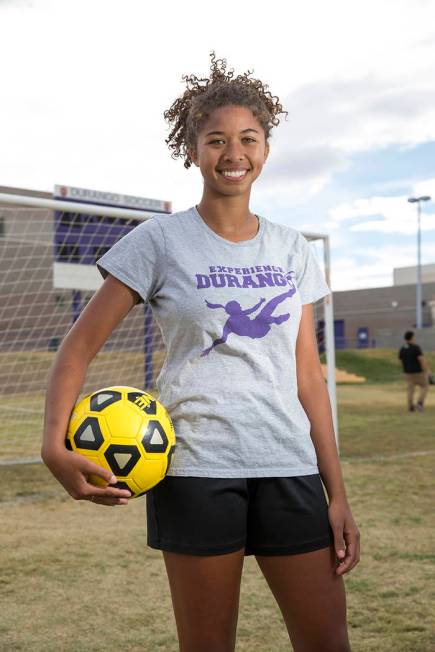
x,y
48,251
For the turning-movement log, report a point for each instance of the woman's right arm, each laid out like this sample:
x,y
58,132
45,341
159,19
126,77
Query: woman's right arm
x,y
107,308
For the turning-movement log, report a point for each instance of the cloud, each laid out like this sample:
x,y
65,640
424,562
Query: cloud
x,y
385,214
331,121
403,102
315,161
359,114
16,4
374,267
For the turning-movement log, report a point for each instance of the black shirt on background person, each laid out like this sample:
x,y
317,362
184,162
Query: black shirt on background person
x,y
409,355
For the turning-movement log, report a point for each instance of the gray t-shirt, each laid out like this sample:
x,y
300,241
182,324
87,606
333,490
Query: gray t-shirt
x,y
229,313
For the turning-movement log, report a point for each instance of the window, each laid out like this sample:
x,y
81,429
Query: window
x,y
68,253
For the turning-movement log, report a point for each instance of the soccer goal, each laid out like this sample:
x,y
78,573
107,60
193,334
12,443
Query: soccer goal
x,y
48,249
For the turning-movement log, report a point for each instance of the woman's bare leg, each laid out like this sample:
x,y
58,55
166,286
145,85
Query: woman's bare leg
x,y
205,594
311,598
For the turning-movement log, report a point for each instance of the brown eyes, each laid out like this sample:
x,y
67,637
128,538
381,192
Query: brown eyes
x,y
220,140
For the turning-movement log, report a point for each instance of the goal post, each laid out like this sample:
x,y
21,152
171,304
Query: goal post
x,y
324,319
47,275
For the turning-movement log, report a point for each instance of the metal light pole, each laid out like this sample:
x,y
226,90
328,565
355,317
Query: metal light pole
x,y
417,200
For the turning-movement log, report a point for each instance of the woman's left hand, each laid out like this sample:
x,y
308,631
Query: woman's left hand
x,y
346,535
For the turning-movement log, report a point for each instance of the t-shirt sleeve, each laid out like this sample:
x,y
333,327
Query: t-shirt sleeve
x,y
138,259
309,277
418,350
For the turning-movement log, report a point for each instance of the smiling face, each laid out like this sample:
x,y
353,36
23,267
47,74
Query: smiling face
x,y
230,150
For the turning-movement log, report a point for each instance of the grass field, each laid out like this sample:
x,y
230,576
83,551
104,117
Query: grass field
x,y
76,577
378,366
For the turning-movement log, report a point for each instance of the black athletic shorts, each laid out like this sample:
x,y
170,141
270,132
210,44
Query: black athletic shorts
x,y
213,516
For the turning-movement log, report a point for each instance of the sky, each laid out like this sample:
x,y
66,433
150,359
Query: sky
x,y
85,84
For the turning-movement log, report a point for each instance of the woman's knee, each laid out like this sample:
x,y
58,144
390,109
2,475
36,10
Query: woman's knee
x,y
207,645
335,642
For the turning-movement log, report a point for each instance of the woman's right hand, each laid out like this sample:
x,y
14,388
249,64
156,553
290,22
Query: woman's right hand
x,y
72,470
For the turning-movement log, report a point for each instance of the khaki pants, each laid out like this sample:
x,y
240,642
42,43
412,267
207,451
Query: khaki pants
x,y
412,380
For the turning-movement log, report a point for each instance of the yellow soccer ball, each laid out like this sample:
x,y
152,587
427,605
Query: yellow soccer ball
x,y
128,432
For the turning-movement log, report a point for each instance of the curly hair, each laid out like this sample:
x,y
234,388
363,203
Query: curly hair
x,y
189,112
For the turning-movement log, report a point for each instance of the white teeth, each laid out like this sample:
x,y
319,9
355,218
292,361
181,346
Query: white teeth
x,y
233,173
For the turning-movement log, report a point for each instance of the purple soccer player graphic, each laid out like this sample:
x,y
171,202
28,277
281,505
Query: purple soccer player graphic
x,y
240,324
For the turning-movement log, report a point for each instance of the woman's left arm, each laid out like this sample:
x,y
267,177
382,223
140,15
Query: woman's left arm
x,y
314,397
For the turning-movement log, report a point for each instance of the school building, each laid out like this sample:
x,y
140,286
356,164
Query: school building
x,y
378,317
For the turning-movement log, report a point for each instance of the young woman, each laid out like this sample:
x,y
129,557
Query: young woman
x,y
233,294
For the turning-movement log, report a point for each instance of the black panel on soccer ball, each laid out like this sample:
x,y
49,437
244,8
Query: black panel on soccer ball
x,y
146,439
115,450
170,457
88,435
112,397
68,444
148,408
142,493
121,485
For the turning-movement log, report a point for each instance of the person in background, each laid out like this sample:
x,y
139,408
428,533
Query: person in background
x,y
416,371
